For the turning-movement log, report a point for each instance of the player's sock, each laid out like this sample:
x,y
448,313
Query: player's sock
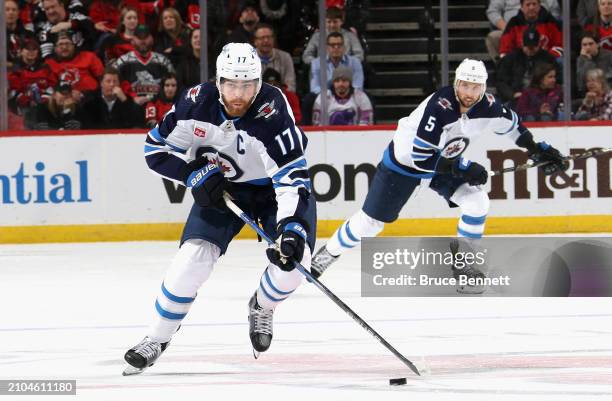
x,y
471,226
171,310
349,234
276,285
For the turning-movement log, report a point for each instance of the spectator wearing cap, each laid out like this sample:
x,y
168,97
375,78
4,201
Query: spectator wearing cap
x,y
249,18
273,77
110,107
333,23
335,57
499,12
172,36
514,71
345,104
142,70
591,57
58,19
15,31
272,57
31,81
62,111
601,24
532,14
81,68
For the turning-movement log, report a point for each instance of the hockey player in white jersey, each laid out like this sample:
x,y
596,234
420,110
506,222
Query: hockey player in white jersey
x,y
236,135
427,145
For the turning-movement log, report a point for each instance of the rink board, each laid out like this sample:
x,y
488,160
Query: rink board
x,y
68,187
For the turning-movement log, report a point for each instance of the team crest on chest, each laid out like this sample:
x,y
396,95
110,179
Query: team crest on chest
x,y
267,110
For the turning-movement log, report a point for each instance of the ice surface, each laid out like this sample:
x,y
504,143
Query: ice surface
x,y
70,311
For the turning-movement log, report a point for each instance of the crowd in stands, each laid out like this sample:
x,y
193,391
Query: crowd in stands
x,y
81,64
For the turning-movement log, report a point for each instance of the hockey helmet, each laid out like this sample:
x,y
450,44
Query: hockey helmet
x,y
239,61
473,71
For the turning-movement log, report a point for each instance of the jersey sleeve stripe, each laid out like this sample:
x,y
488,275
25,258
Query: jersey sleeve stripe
x,y
513,126
421,143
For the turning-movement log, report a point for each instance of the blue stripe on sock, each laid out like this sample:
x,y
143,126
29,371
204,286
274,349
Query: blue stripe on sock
x,y
349,233
475,221
344,244
174,298
467,234
168,315
267,276
270,297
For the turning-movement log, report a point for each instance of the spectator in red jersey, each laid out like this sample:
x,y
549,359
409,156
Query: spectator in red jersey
x,y
61,112
81,68
601,25
110,107
188,70
273,77
172,37
15,30
120,43
142,70
59,19
541,100
155,110
30,80
530,14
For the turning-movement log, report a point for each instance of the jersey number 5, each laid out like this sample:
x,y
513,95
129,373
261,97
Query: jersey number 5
x,y
431,123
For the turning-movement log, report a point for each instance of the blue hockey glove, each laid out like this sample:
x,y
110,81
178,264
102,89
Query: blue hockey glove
x,y
293,241
207,183
472,172
542,153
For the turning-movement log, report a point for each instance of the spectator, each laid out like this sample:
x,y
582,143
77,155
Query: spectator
x,y
274,58
105,16
346,106
110,107
15,31
273,77
172,37
249,18
531,13
335,57
597,102
156,110
141,70
59,19
62,111
591,56
284,17
601,25
514,71
541,100
188,71
80,68
31,81
120,43
500,12
333,23
586,11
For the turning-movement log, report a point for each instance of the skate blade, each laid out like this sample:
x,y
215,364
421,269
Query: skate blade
x,y
470,290
131,371
256,354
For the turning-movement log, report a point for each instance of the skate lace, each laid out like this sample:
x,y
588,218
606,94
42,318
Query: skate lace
x,y
262,319
148,349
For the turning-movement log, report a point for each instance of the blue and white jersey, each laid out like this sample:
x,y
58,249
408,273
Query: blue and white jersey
x,y
438,128
263,147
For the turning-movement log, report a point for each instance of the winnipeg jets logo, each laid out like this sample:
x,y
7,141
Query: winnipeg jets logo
x,y
226,163
445,103
266,111
490,99
455,147
193,93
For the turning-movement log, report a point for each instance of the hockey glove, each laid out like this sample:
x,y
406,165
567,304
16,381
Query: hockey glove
x,y
292,243
472,172
207,183
543,153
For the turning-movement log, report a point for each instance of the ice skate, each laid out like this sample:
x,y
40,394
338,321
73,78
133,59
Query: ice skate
x,y
321,261
260,326
143,355
466,271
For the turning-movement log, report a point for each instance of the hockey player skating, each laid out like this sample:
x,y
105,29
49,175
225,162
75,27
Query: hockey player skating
x,y
427,145
237,136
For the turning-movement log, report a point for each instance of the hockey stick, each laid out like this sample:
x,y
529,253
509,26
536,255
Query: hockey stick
x,y
238,212
525,166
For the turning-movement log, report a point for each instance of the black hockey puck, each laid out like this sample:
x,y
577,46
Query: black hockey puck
x,y
397,382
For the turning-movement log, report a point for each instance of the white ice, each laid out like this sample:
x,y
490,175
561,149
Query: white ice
x,y
70,311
